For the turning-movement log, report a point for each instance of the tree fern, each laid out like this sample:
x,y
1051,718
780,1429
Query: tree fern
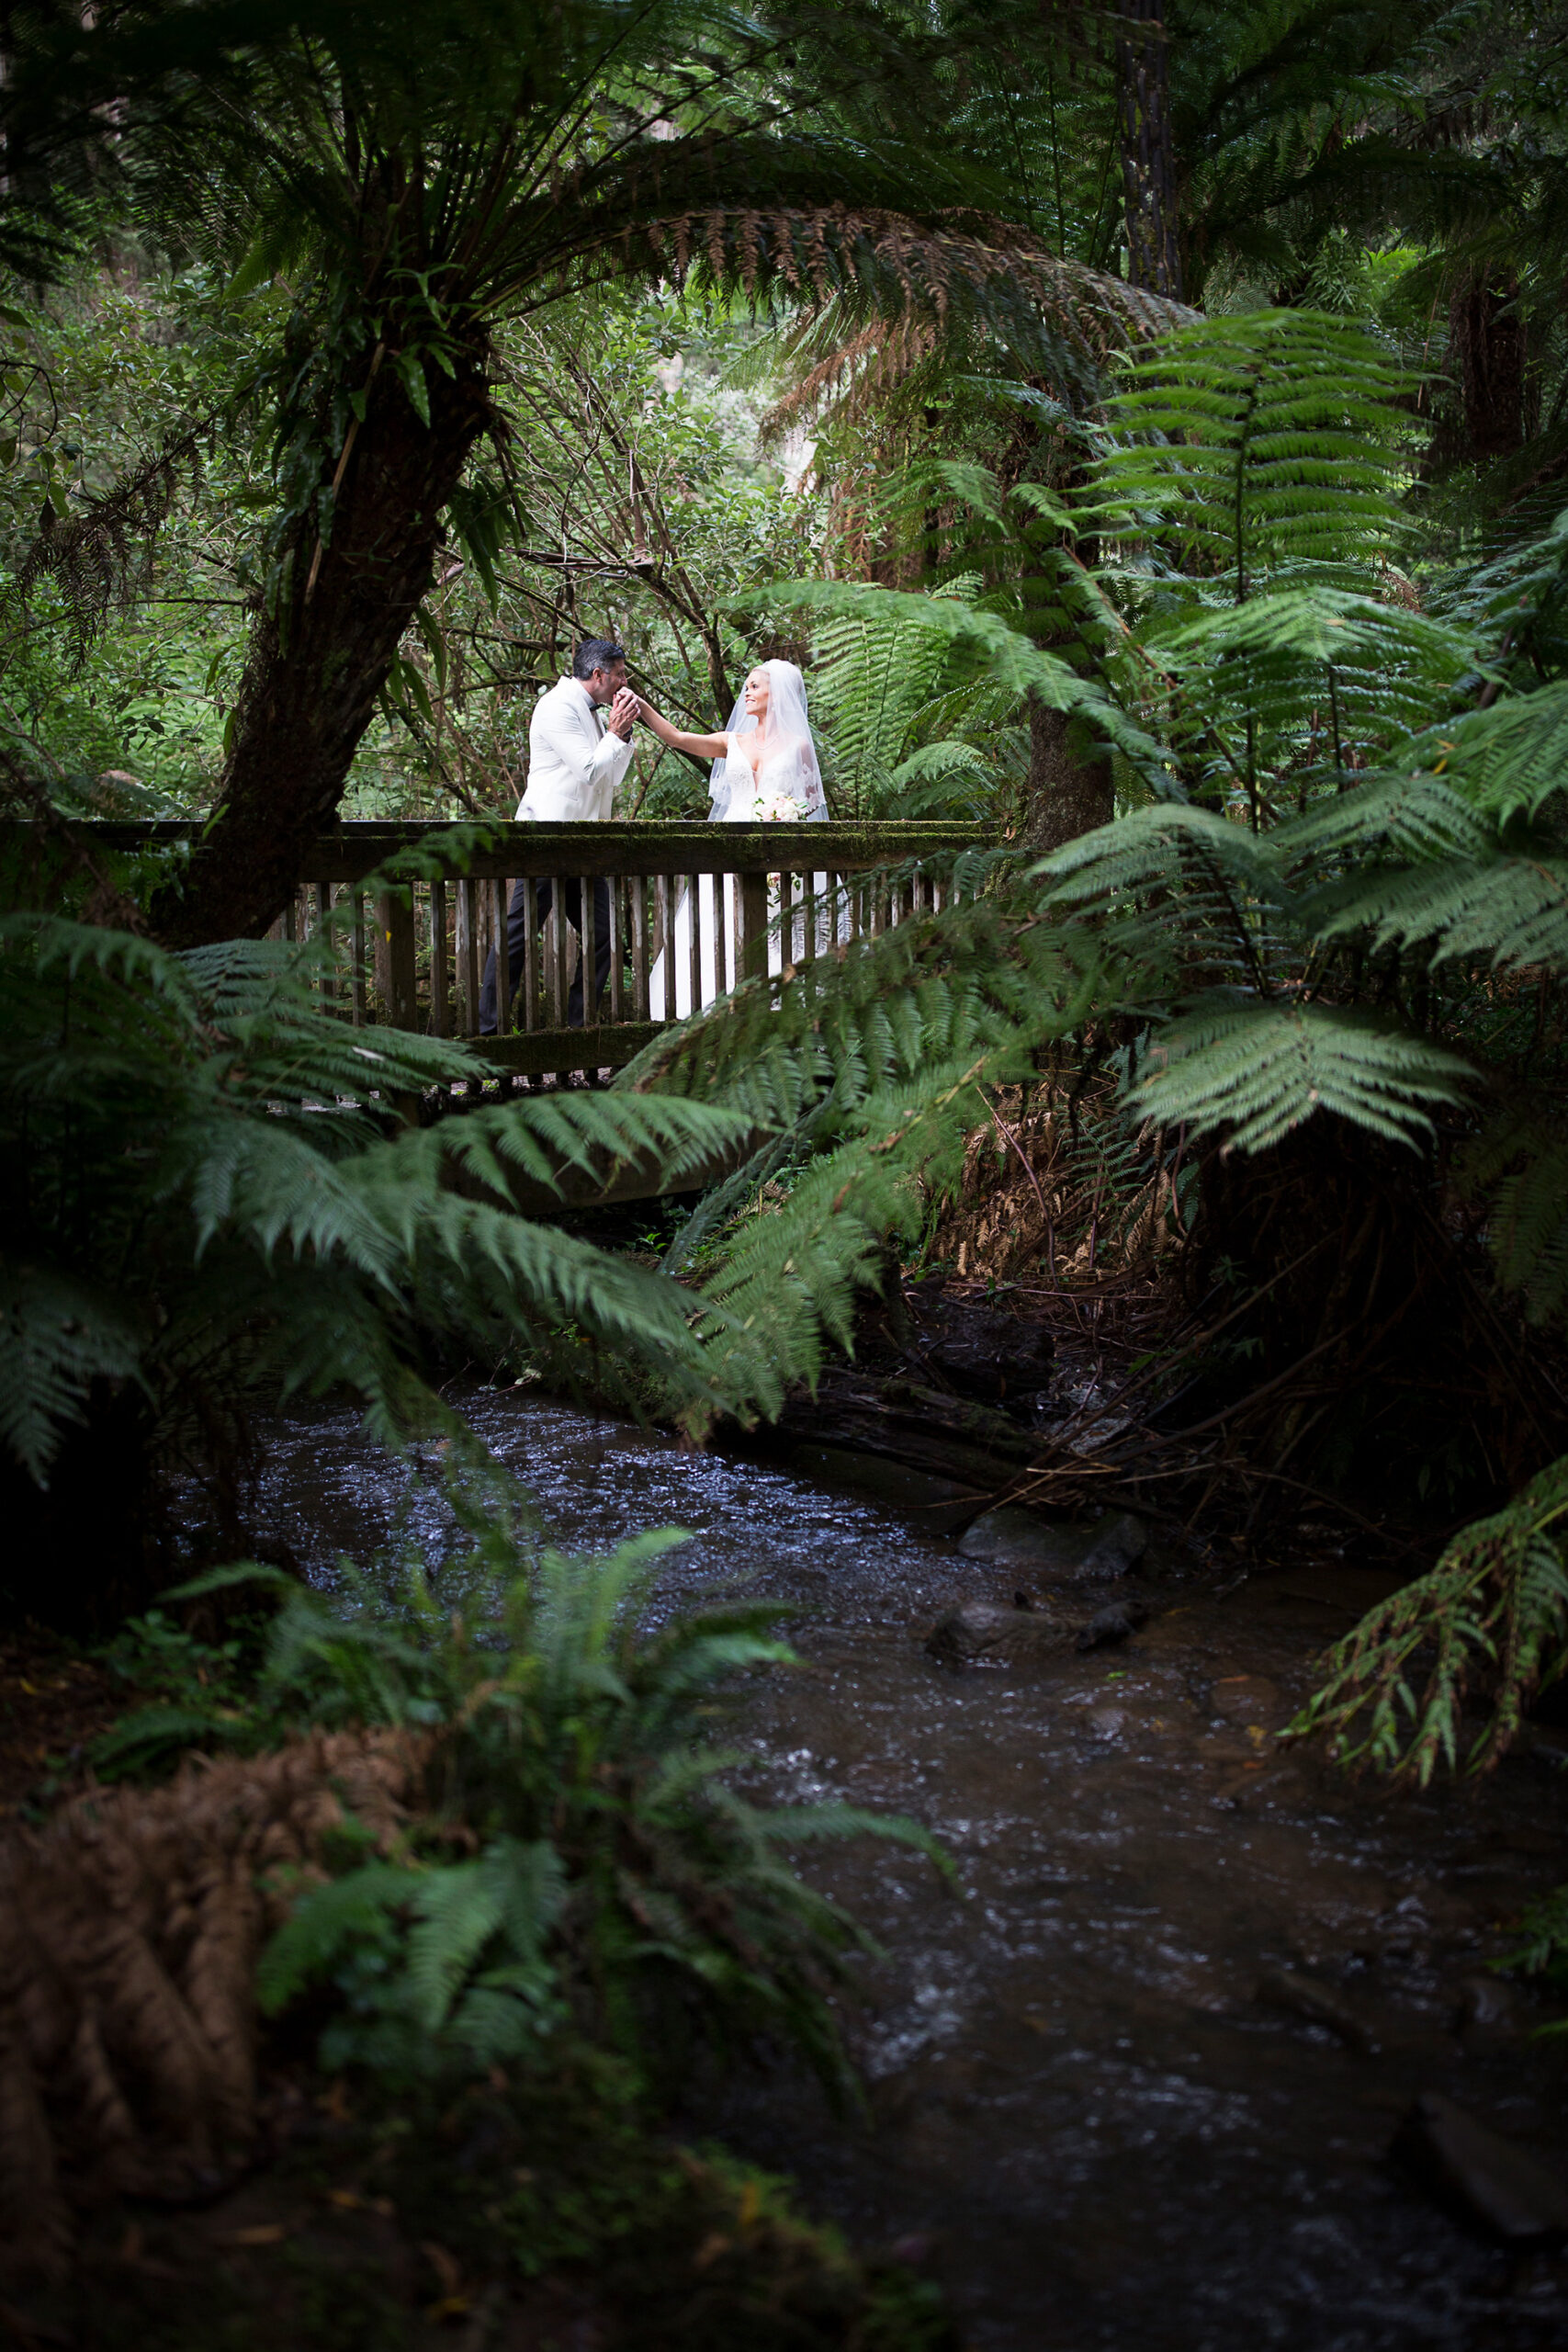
x,y
206,1188
1242,444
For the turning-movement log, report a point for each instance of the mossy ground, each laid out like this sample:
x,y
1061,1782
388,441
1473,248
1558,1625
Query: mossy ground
x,y
546,2217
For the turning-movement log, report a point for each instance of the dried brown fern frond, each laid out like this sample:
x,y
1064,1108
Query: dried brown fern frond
x,y
100,554
1054,1190
878,262
128,1933
899,292
853,378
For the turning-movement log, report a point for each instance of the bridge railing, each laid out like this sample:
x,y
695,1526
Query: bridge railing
x,y
691,909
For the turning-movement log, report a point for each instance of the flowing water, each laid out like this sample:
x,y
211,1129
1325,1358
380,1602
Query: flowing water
x,y
1087,2113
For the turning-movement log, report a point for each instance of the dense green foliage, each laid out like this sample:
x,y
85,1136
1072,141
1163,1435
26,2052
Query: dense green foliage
x,y
213,1192
355,363
610,1878
1288,579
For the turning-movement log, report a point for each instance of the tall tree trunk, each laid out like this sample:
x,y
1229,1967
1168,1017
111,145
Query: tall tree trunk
x,y
1486,349
1149,159
1069,789
315,669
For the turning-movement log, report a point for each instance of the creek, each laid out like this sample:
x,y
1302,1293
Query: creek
x,y
1092,2109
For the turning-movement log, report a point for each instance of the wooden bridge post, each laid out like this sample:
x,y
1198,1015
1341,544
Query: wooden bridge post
x,y
438,960
395,958
753,926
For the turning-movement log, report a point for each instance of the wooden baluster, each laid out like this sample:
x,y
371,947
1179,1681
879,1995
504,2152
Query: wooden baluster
x,y
809,940
394,919
559,987
361,1009
439,1023
618,948
531,1020
663,939
467,946
588,950
754,925
695,941
641,889
324,894
502,960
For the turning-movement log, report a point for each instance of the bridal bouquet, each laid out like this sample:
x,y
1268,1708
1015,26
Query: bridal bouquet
x,y
778,808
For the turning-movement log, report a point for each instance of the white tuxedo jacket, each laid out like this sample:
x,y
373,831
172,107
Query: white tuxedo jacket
x,y
574,764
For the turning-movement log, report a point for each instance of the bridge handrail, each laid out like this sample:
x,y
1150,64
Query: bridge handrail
x,y
693,908
360,846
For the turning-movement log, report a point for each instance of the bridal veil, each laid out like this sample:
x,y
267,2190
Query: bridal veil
x,y
791,768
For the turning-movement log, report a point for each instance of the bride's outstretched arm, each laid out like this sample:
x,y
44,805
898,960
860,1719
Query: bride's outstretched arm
x,y
702,747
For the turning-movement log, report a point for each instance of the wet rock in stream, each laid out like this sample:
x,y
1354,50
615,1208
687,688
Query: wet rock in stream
x,y
1117,1551
1488,2012
984,1632
1319,2005
1474,2169
1113,1624
1020,1540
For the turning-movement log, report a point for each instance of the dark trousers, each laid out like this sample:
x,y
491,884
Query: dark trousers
x,y
520,916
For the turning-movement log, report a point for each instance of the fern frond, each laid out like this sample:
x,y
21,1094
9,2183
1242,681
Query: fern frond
x,y
1496,1605
1508,761
1388,815
1520,1159
1287,423
1503,911
57,1336
324,1924
1254,1072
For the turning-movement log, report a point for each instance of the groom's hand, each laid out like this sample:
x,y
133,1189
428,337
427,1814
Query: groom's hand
x,y
624,710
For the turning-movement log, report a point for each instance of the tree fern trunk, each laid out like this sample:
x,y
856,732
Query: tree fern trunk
x,y
1069,789
1487,351
1149,162
315,668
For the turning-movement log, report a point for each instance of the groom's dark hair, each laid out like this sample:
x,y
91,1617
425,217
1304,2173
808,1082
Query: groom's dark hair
x,y
595,653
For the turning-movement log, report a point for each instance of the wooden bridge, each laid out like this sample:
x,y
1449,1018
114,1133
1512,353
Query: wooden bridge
x,y
693,908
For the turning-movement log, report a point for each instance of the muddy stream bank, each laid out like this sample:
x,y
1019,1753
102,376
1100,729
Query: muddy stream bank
x,y
1100,2108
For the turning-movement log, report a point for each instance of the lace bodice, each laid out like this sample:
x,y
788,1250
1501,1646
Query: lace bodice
x,y
782,775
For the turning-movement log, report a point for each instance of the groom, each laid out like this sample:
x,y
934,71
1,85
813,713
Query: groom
x,y
575,761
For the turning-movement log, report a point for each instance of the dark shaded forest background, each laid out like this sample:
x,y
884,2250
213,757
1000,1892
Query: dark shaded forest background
x,y
1148,428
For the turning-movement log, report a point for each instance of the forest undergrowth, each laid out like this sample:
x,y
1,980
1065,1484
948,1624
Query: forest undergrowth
x,y
387,1930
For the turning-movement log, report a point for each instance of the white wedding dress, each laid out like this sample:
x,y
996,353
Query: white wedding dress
x,y
789,777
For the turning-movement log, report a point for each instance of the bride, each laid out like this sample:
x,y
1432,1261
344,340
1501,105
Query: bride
x,y
764,757
766,771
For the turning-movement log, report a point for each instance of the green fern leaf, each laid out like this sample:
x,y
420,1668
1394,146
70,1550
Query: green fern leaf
x,y
1254,1073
